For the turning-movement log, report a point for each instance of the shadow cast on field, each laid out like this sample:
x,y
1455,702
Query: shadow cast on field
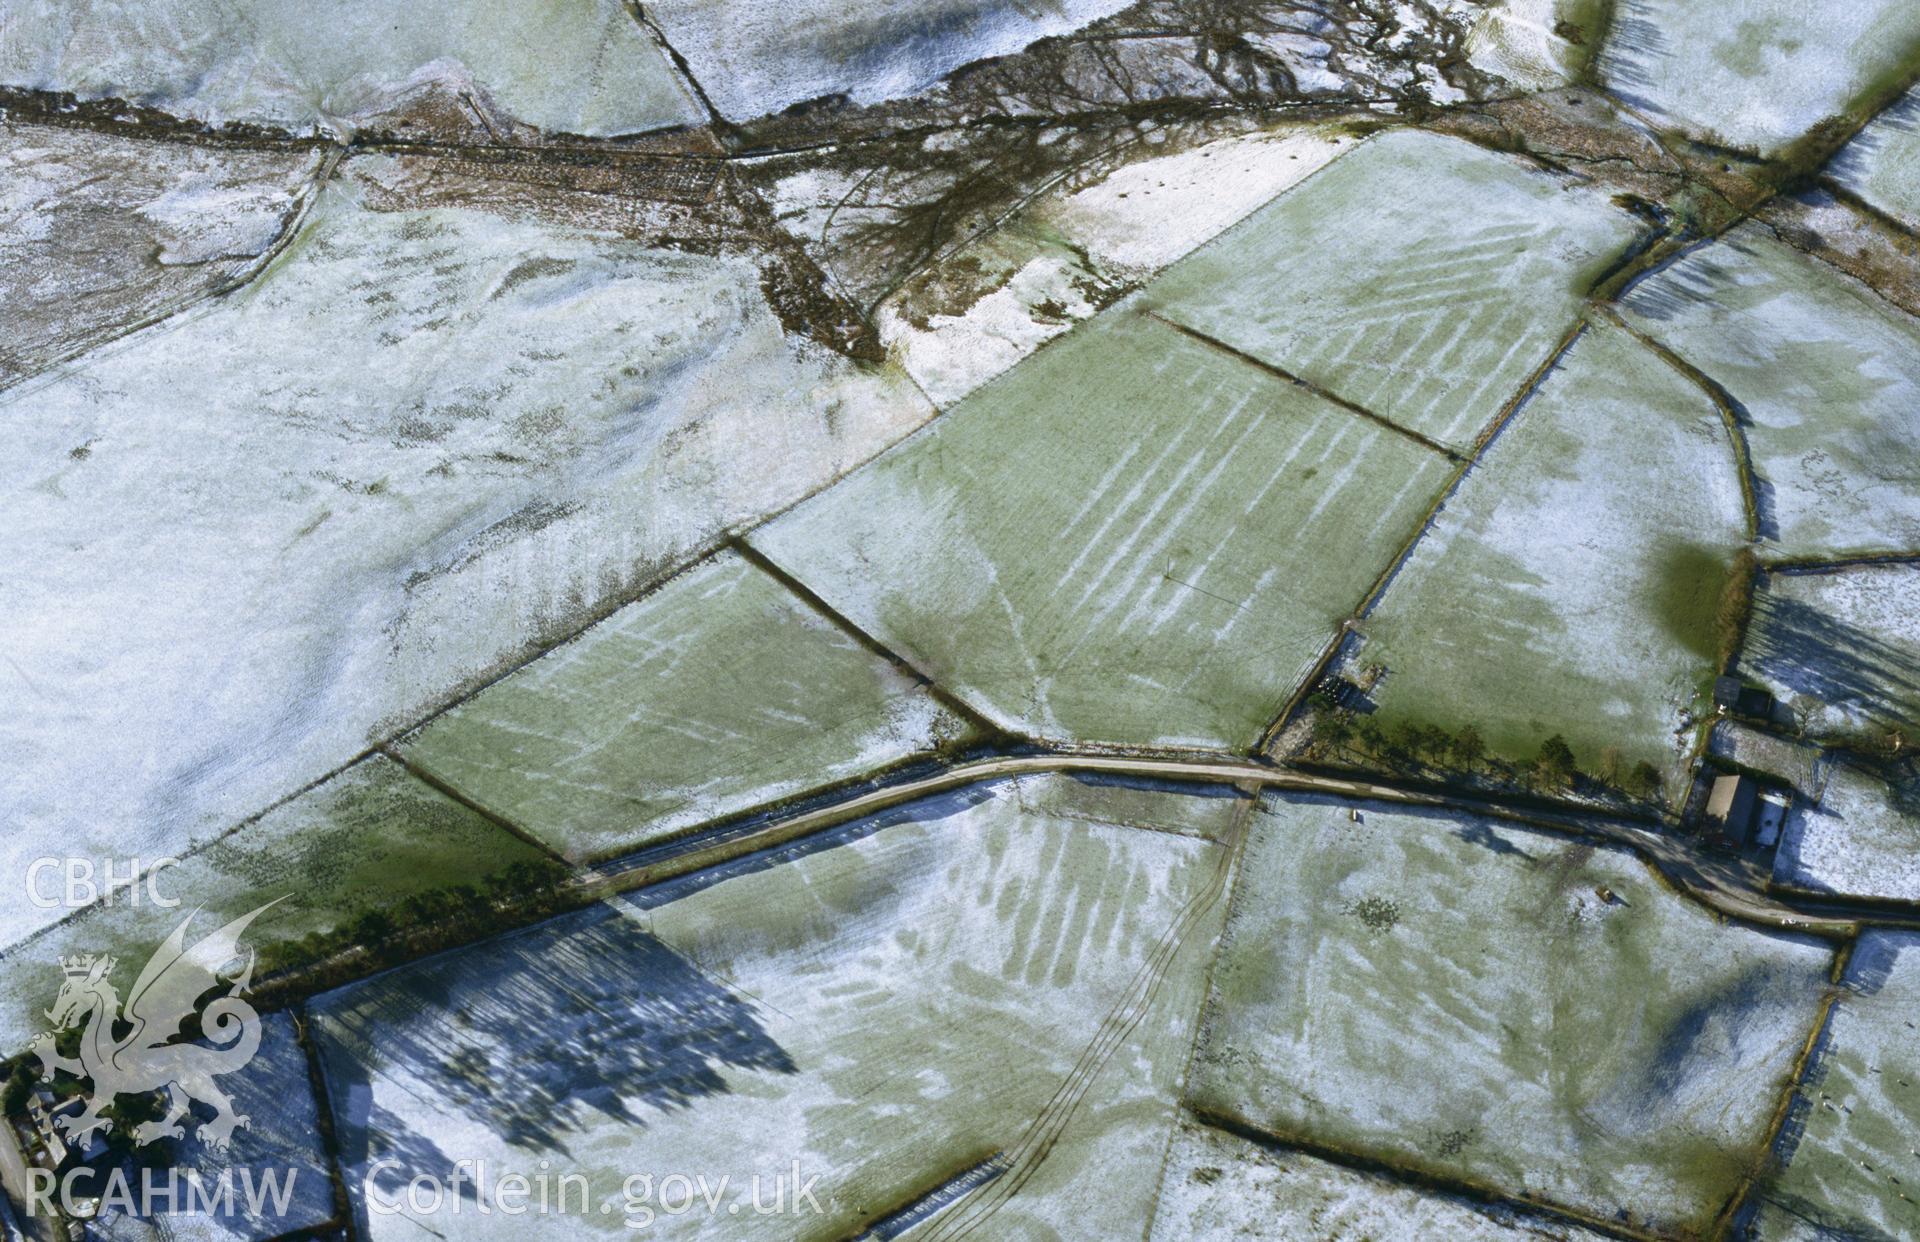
x,y
1871,965
1856,161
1873,960
280,1144
1789,856
1793,1127
533,1036
1634,49
1814,655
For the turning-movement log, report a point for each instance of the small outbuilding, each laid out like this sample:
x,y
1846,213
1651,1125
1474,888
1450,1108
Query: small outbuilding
x,y
1771,816
1731,805
1730,694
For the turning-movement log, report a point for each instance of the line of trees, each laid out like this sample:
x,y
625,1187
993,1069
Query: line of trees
x,y
1735,607
424,923
1342,737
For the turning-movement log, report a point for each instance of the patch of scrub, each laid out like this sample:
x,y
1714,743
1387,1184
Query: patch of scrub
x,y
1825,377
1845,1159
1570,584
1131,537
717,693
1860,837
1073,251
362,843
1544,1018
1218,1185
886,1007
753,60
99,233
1538,44
1753,74
1882,162
968,318
1840,649
277,1165
573,66
240,545
1421,277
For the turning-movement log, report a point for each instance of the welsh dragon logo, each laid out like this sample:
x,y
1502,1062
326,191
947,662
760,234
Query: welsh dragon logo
x,y
165,994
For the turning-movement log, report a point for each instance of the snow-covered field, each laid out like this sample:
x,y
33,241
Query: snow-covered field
x,y
718,692
576,66
100,233
1150,212
993,302
239,545
1882,162
1569,584
1754,74
1848,1143
753,60
1131,537
1421,277
1500,1007
1536,44
1862,839
1217,1185
1840,648
888,1007
1827,376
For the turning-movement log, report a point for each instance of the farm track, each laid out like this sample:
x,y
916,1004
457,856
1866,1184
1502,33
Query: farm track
x,y
972,1213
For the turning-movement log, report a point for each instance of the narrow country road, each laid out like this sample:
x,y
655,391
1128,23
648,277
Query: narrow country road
x,y
1723,884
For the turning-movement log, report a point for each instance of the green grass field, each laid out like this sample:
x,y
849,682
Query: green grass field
x,y
361,843
1850,1167
1421,277
1570,585
718,693
1131,537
